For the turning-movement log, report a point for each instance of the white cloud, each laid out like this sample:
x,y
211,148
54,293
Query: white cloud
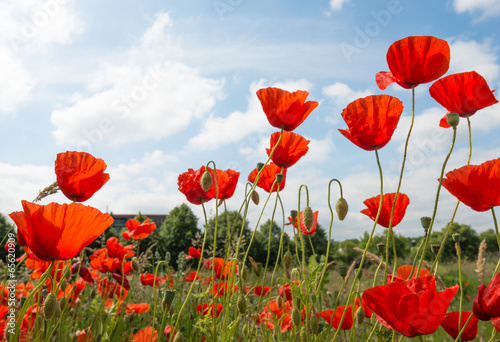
x,y
15,82
487,8
342,94
146,97
336,5
237,126
473,55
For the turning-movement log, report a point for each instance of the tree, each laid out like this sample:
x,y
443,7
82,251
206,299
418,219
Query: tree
x,y
262,239
227,222
5,229
319,241
491,240
177,231
469,242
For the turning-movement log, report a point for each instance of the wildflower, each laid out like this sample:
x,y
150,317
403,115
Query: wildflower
x,y
80,175
59,231
450,324
290,149
303,229
477,186
268,177
385,214
415,60
137,230
136,308
412,308
190,185
193,253
463,93
226,183
371,120
149,279
147,334
283,109
333,318
207,308
486,305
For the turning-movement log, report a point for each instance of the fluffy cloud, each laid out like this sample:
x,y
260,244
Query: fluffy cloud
x,y
342,94
238,126
472,55
146,97
336,5
486,8
15,82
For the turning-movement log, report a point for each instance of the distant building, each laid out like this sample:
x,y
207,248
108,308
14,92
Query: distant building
x,y
121,219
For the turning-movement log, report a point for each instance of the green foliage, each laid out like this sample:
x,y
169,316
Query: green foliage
x,y
491,240
6,228
469,242
177,231
262,241
319,240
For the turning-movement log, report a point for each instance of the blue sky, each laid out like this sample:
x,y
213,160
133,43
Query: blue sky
x,y
157,87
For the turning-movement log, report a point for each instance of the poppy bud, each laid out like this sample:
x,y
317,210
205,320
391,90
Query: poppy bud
x,y
313,298
255,197
62,303
255,267
287,259
244,273
303,334
342,271
63,284
242,304
206,181
135,265
360,315
179,337
279,177
342,208
453,119
171,311
456,237
426,222
381,248
49,306
67,273
435,248
307,217
314,324
260,166
279,301
296,319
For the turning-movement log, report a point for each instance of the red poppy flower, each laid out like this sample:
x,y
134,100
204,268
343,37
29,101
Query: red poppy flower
x,y
403,273
415,60
285,291
59,231
450,324
149,279
412,308
168,331
147,334
84,335
83,272
385,214
464,93
116,250
223,288
121,280
496,323
303,229
137,230
136,308
283,109
272,315
371,120
193,253
207,308
486,305
333,318
80,175
267,178
290,149
226,182
223,269
192,276
477,186
190,185
259,290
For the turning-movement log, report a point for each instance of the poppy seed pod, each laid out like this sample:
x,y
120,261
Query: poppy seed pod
x,y
342,208
293,214
435,248
260,166
255,197
453,119
49,306
342,271
308,218
242,304
279,177
169,297
426,222
381,248
456,237
287,259
206,181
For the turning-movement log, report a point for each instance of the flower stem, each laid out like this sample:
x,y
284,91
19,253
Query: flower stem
x,y
367,243
497,234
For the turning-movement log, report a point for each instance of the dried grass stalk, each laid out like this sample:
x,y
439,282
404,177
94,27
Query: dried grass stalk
x,y
481,260
51,189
